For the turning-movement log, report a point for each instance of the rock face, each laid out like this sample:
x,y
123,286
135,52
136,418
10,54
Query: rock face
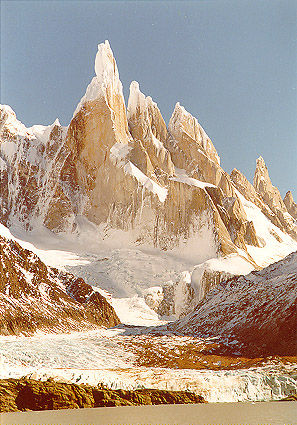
x,y
28,394
149,133
30,162
192,139
36,297
290,204
126,170
256,314
271,196
264,187
248,191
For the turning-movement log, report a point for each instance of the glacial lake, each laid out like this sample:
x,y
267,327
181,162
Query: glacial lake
x,y
272,413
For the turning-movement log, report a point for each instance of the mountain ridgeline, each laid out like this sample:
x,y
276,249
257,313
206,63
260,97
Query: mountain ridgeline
x,y
126,170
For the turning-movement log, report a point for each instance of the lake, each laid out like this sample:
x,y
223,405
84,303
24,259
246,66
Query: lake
x,y
273,413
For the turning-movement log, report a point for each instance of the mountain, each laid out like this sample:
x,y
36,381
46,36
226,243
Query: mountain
x,y
256,313
35,297
126,171
290,204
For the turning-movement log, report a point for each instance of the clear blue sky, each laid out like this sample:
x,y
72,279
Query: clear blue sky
x,y
232,64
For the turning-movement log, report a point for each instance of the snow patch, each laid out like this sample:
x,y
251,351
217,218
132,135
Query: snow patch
x,y
107,80
119,152
137,100
8,149
3,165
146,182
182,177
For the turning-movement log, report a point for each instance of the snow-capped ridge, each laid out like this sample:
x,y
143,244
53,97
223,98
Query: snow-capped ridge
x,y
183,123
107,81
9,120
137,99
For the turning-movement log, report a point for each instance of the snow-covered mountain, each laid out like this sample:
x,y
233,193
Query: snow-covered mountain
x,y
257,313
35,297
161,186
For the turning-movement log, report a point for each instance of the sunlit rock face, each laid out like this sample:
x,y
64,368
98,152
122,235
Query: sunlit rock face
x,y
99,123
272,197
189,134
126,170
127,178
290,204
248,191
264,187
192,150
36,297
149,132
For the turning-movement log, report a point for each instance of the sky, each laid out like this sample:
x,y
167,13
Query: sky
x,y
231,63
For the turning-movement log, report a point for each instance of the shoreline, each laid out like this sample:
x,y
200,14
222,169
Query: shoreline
x,y
32,395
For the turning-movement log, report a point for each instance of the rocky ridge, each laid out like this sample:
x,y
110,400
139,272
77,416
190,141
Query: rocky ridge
x,y
35,297
256,314
290,204
171,180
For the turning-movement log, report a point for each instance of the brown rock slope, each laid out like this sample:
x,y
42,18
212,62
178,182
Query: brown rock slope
x,y
36,297
28,394
255,315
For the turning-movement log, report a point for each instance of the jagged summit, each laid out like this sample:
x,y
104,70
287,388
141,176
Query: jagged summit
x,y
183,125
106,68
126,170
138,100
290,204
106,84
272,197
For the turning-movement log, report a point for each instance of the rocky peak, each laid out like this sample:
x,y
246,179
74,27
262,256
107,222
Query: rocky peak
x,y
186,129
143,110
149,131
30,160
290,204
106,83
9,124
248,191
264,187
272,197
123,171
104,96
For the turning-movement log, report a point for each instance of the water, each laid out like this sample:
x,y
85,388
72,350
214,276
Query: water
x,y
273,413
